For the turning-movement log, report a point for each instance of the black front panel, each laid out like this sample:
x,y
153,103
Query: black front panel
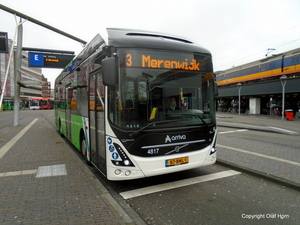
x,y
168,143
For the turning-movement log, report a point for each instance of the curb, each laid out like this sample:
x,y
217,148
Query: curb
x,y
267,176
270,129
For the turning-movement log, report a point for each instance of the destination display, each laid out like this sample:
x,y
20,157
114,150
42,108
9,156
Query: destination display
x,y
161,60
49,60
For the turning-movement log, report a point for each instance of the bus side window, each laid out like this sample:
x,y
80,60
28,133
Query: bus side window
x,y
100,93
73,103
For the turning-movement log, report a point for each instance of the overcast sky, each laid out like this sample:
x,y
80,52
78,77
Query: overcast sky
x,y
235,31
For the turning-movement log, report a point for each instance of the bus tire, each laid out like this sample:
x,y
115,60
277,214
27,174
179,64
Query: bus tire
x,y
60,130
84,150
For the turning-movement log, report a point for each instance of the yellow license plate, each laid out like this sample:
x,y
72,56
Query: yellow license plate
x,y
178,161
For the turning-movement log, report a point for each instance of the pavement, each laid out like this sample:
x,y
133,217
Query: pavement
x,y
259,122
43,181
279,162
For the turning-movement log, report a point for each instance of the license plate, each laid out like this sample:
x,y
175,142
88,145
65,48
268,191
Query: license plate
x,y
178,161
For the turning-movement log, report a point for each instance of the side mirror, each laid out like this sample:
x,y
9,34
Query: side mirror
x,y
109,72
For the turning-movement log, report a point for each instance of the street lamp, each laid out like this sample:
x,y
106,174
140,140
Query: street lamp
x,y
239,85
283,80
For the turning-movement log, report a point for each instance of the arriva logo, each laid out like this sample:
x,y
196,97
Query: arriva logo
x,y
174,138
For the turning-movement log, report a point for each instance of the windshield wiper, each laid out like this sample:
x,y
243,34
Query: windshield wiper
x,y
151,123
190,114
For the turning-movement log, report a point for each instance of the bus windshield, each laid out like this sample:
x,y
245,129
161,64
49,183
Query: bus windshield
x,y
162,89
34,102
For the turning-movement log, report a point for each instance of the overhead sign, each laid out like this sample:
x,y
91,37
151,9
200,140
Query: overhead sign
x,y
48,60
3,42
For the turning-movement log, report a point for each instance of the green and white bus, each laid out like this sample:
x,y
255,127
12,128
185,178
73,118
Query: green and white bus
x,y
112,104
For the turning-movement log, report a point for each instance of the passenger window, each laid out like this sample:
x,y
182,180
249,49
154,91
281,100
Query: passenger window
x,y
263,67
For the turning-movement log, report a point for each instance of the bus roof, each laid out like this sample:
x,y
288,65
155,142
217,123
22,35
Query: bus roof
x,y
36,99
118,37
130,38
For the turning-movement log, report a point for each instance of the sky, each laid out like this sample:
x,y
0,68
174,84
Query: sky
x,y
234,31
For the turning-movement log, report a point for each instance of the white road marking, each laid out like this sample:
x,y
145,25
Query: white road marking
x,y
177,184
51,171
232,131
260,155
18,173
284,130
42,171
9,144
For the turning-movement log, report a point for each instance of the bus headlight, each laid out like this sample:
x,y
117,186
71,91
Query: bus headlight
x,y
213,148
120,158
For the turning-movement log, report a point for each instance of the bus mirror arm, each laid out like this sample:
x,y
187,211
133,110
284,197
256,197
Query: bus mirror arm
x,y
216,89
109,71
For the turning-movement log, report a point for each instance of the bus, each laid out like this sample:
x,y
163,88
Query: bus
x,y
34,103
111,103
46,103
8,104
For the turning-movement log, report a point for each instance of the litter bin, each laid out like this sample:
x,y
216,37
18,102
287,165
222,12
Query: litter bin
x,y
289,113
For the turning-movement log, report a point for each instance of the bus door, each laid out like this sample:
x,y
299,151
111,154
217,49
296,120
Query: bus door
x,y
69,93
96,119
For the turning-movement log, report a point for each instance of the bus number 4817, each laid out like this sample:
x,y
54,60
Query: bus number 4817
x,y
153,151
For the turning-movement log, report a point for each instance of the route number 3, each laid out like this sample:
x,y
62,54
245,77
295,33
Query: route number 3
x,y
128,60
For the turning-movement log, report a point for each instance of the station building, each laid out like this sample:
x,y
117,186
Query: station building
x,y
27,74
261,85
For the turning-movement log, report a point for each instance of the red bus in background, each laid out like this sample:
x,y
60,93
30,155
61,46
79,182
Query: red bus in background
x,y
46,103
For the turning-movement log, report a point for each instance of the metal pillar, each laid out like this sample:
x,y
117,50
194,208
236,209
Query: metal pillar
x,y
283,80
239,85
17,74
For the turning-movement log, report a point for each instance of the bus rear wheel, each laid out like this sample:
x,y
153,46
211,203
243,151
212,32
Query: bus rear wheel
x,y
60,129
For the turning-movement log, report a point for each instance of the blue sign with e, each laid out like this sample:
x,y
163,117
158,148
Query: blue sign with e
x,y
36,59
